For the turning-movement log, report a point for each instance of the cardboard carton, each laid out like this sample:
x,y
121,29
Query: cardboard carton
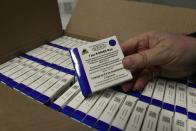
x,y
26,24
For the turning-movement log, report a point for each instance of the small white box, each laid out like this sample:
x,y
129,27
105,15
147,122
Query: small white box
x,y
108,115
149,88
181,95
191,125
36,76
10,66
76,101
170,92
87,104
58,88
23,70
124,112
54,58
29,73
43,79
50,82
159,89
13,70
137,117
191,99
180,122
36,51
100,105
68,95
8,63
165,120
151,118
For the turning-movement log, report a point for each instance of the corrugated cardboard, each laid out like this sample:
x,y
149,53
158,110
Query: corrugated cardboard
x,y
26,24
101,18
20,113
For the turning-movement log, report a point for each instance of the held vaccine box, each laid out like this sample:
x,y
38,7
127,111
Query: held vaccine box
x,y
99,65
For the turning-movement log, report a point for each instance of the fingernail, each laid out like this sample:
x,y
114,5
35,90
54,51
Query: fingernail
x,y
125,89
127,62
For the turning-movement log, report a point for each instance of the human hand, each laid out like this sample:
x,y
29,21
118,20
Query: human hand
x,y
158,54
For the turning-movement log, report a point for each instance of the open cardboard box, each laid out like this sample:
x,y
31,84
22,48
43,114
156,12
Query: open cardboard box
x,y
26,24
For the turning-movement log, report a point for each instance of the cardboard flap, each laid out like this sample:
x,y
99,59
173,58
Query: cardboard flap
x,y
20,113
103,18
25,24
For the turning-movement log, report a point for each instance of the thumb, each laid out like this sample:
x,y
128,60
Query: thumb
x,y
147,58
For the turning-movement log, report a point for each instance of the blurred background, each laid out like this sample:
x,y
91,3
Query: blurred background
x,y
66,7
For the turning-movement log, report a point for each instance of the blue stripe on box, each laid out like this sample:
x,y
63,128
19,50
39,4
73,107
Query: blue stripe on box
x,y
89,120
20,86
181,110
135,93
2,77
6,80
44,63
43,99
156,102
182,81
101,125
55,107
80,72
78,115
34,94
67,110
26,90
66,70
33,59
192,116
168,106
191,85
58,46
12,84
145,99
57,67
113,128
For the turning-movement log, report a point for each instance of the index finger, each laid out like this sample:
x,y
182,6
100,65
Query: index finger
x,y
136,44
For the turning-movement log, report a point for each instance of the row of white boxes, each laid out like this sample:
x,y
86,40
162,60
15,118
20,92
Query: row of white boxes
x,y
35,78
163,105
114,110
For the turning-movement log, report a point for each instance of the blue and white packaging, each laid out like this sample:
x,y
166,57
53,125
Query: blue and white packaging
x,y
99,65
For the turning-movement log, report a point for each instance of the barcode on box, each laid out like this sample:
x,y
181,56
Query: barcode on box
x,y
43,71
117,99
160,83
50,74
128,103
106,95
181,89
166,119
140,109
152,114
180,123
35,69
57,77
75,87
171,86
